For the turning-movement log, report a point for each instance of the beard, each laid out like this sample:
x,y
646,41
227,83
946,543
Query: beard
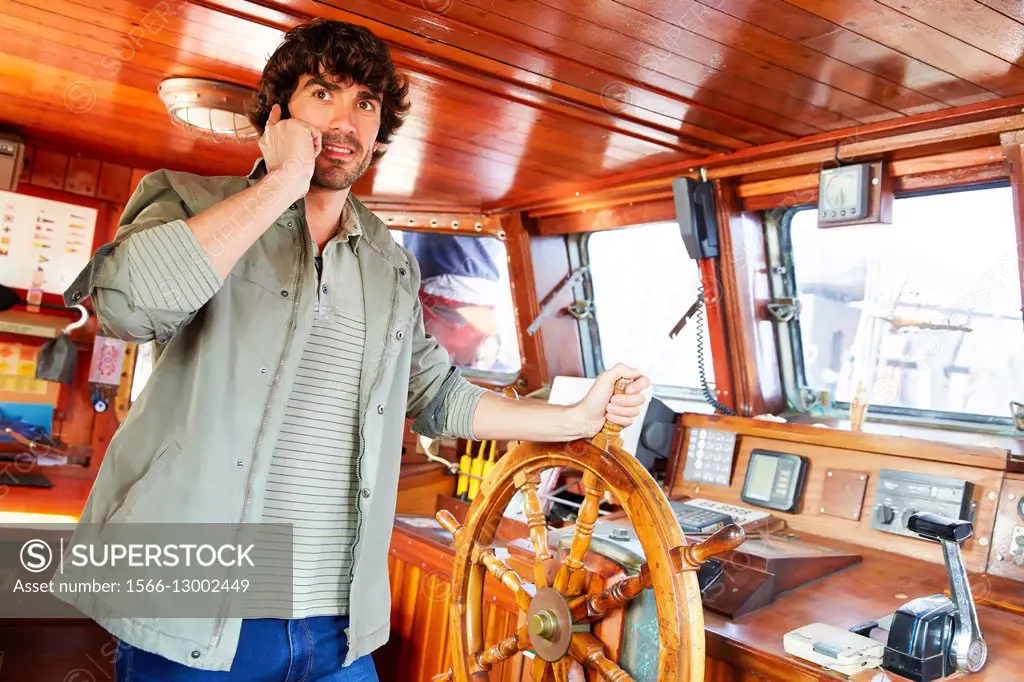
x,y
335,174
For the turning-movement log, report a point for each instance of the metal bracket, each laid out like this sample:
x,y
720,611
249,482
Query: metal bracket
x,y
810,398
581,310
547,306
784,309
1017,412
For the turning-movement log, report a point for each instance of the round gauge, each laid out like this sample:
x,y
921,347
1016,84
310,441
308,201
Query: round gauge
x,y
842,193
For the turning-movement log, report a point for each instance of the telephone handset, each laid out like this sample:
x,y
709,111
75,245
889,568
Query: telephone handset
x,y
698,224
698,221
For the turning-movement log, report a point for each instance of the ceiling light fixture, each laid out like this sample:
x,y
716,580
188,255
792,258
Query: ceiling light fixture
x,y
209,109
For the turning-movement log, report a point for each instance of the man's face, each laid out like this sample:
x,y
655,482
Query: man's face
x,y
348,118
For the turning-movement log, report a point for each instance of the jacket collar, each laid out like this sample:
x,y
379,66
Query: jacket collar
x,y
371,228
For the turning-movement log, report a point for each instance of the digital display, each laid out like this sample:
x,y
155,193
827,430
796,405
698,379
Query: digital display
x,y
761,478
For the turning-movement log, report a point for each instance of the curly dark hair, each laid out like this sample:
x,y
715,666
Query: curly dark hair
x,y
333,48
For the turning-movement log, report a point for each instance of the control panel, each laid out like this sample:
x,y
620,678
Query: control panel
x,y
899,495
709,456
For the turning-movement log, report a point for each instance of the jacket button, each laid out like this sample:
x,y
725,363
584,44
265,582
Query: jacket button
x,y
380,409
196,654
324,288
263,370
284,292
239,464
365,492
400,335
293,207
401,272
77,296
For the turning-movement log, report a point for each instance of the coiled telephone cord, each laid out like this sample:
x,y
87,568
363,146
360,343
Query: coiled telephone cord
x,y
708,395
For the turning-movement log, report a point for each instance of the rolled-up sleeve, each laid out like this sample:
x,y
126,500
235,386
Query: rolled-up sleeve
x,y
441,400
154,276
450,413
168,269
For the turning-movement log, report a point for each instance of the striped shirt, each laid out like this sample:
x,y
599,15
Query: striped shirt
x,y
313,482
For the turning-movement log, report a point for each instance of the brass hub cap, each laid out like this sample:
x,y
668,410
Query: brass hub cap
x,y
550,624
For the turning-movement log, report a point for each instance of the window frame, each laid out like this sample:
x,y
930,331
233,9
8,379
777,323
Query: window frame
x,y
782,284
492,379
590,333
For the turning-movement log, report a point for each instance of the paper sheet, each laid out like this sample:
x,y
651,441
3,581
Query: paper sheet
x,y
43,240
568,391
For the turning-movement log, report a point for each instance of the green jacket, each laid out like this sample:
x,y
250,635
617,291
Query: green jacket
x,y
197,444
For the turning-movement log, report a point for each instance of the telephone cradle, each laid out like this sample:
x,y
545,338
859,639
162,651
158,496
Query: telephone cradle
x,y
937,636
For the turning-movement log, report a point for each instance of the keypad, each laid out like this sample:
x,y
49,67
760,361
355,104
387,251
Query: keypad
x,y
709,456
696,520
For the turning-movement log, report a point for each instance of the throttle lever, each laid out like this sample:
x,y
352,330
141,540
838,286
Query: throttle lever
x,y
969,650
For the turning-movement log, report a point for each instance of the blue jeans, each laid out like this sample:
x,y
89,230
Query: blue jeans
x,y
269,650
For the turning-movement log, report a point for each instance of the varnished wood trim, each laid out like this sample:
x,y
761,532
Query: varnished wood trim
x,y
976,120
715,315
445,222
535,371
1013,151
610,218
976,456
752,352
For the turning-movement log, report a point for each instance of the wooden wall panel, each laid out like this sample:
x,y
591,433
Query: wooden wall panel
x,y
82,176
534,355
559,335
420,576
753,355
1013,150
49,168
115,181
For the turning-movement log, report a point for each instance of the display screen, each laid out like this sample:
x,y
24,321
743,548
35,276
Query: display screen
x,y
761,477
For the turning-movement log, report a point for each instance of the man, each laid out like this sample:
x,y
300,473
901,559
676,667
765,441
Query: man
x,y
294,350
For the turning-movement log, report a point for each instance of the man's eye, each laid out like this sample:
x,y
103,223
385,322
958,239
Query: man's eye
x,y
320,94
368,105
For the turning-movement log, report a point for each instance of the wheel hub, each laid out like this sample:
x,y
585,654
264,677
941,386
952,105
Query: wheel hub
x,y
550,624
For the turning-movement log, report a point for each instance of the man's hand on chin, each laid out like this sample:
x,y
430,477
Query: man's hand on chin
x,y
600,404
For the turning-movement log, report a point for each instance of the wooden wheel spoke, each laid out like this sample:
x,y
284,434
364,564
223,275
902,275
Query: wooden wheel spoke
x,y
527,484
588,650
505,649
504,574
562,670
593,607
571,575
541,671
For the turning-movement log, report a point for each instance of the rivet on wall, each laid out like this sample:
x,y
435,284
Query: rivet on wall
x,y
455,224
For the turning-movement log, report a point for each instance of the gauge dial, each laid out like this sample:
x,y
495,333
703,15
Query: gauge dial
x,y
843,193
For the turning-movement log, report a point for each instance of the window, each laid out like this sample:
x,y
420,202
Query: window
x,y
924,313
643,283
467,300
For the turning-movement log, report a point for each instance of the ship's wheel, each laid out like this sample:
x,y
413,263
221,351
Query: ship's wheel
x,y
558,615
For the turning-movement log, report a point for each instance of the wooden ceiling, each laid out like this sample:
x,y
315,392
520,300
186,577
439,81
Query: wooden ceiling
x,y
516,97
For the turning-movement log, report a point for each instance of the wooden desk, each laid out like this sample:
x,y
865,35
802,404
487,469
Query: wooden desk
x,y
747,649
874,588
65,498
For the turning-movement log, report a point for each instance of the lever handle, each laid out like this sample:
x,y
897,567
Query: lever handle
x,y
725,540
968,648
939,528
